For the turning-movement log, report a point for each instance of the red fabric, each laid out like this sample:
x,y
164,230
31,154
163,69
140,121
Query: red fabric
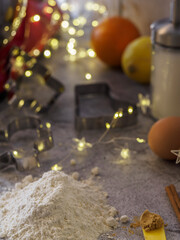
x,y
30,35
38,33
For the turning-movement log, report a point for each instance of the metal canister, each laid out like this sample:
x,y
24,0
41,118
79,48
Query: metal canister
x,y
165,74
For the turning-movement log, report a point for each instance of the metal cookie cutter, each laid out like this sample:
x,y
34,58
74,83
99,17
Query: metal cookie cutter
x,y
95,107
43,142
36,88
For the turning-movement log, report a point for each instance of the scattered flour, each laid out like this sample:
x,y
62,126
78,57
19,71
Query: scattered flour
x,y
124,219
95,171
73,162
75,175
112,211
55,207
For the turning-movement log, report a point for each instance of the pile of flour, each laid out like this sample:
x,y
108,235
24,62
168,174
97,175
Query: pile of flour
x,y
55,207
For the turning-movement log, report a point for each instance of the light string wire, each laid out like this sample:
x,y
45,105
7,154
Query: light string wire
x,y
81,144
74,28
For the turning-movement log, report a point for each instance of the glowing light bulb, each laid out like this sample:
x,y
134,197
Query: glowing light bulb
x,y
80,33
82,53
15,153
33,104
21,103
6,134
91,53
7,86
23,53
33,60
35,18
125,152
16,22
72,51
28,73
41,146
95,7
89,6
66,16
116,115
47,53
54,43
120,113
22,13
56,16
15,52
130,110
88,76
144,102
56,167
72,40
36,52
48,10
102,9
70,45
152,68
5,41
140,140
52,3
50,139
82,144
38,109
18,8
76,22
65,24
30,63
19,61
6,28
72,31
82,20
64,6
95,23
48,125
108,126
13,33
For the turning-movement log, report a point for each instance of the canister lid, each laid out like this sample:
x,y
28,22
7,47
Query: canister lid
x,y
166,32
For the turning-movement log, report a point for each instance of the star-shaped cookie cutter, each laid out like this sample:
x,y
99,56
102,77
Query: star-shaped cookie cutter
x,y
43,142
177,153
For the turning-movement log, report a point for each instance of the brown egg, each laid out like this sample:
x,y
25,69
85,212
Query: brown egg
x,y
164,136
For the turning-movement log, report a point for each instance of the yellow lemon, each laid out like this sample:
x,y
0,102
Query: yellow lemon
x,y
136,60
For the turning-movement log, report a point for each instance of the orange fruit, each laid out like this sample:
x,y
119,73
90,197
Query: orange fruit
x,y
110,38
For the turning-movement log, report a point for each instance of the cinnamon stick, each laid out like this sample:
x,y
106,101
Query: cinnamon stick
x,y
175,194
171,194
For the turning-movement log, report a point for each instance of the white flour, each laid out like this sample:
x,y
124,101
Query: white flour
x,y
55,207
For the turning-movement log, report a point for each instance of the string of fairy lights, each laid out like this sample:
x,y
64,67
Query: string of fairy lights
x,y
81,145
73,30
10,30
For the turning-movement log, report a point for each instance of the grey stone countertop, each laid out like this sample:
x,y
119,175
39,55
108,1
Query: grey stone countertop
x,y
133,185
